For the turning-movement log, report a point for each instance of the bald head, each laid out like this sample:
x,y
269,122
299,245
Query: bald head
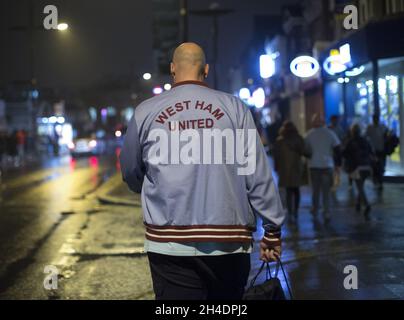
x,y
317,120
189,63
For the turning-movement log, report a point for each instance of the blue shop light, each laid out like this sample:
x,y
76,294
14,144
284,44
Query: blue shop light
x,y
355,71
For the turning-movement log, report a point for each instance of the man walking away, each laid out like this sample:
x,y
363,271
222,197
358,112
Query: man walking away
x,y
336,127
324,148
358,154
376,133
21,141
199,212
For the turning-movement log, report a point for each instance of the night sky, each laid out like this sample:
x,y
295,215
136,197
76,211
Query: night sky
x,y
112,39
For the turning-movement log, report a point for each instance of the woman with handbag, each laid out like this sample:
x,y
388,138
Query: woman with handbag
x,y
358,155
289,149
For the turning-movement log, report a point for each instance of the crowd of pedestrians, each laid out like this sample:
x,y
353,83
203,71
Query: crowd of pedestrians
x,y
323,155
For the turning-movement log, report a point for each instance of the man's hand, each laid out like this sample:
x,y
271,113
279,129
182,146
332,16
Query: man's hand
x,y
269,254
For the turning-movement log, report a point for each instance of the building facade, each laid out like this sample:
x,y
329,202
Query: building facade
x,y
370,80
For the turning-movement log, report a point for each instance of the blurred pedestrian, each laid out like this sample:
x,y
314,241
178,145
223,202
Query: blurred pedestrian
x,y
335,127
325,152
12,147
55,143
198,216
289,149
21,141
376,133
358,154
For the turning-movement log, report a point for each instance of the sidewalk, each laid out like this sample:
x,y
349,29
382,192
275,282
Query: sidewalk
x,y
315,255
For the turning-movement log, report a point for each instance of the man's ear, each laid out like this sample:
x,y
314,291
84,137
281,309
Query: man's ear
x,y
206,71
172,69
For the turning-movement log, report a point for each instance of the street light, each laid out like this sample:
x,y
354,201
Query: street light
x,y
157,90
147,76
63,26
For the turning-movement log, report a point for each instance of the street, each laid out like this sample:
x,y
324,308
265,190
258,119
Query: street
x,y
51,216
79,217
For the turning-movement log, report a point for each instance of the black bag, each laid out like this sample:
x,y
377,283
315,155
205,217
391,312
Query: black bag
x,y
271,289
391,141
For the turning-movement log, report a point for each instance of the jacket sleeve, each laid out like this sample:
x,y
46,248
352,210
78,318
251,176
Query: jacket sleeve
x,y
132,166
262,192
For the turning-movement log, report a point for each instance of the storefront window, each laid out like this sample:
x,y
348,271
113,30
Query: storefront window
x,y
361,90
391,75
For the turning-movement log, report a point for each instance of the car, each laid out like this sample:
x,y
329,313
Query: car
x,y
85,146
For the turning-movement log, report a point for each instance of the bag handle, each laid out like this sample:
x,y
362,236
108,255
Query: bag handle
x,y
256,276
268,272
269,276
286,279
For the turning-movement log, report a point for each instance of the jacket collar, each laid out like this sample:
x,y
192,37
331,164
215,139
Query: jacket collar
x,y
200,83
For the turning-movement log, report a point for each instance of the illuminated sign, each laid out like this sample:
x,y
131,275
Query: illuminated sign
x,y
355,71
267,66
345,53
333,65
304,66
338,60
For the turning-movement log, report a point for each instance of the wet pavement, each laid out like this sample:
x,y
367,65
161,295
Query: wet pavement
x,y
80,217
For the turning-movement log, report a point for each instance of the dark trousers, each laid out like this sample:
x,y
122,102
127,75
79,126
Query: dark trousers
x,y
199,277
292,200
321,180
360,185
378,171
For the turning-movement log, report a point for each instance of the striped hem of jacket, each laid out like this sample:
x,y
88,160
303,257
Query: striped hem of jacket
x,y
199,233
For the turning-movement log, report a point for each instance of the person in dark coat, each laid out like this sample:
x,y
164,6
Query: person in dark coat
x,y
12,146
358,154
289,150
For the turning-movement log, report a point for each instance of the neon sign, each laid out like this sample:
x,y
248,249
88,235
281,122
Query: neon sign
x,y
338,60
267,66
355,71
304,66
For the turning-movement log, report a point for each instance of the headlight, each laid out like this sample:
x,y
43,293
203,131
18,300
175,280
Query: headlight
x,y
92,144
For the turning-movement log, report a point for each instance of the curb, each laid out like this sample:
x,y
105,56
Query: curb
x,y
103,196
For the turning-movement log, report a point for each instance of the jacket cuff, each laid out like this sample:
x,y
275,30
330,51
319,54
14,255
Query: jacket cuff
x,y
272,238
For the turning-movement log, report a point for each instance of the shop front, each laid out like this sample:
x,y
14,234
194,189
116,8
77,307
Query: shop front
x,y
364,76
